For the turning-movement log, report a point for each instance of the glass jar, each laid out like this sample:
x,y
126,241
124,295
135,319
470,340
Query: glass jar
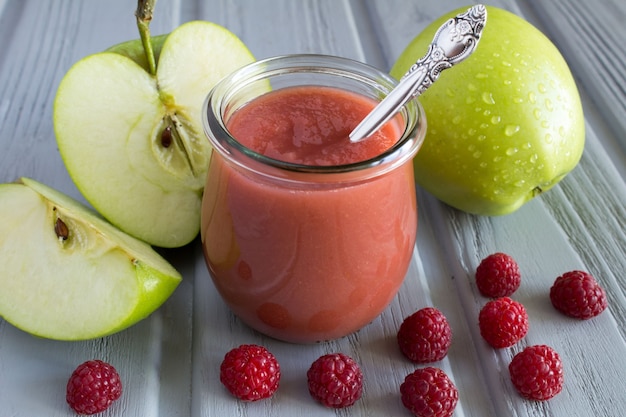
x,y
307,253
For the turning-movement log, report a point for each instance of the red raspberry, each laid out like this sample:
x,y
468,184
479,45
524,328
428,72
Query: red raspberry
x,y
503,322
428,392
537,373
577,294
425,336
93,387
335,380
498,276
250,372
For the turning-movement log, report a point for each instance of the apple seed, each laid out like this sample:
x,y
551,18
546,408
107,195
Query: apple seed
x,y
166,137
60,228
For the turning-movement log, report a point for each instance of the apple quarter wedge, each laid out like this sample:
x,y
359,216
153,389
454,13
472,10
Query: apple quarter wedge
x,y
68,274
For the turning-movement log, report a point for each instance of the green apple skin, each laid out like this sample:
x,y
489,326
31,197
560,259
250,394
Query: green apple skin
x,y
95,282
134,50
133,142
503,126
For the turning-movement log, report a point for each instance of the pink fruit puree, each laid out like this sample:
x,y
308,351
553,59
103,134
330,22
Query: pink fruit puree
x,y
301,263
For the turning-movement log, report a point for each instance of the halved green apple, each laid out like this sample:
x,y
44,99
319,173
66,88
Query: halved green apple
x,y
68,274
132,140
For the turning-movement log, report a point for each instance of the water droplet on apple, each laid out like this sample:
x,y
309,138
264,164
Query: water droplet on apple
x,y
481,76
533,159
548,103
477,155
507,82
520,183
518,100
537,114
472,87
506,63
548,138
457,119
484,125
469,99
510,130
511,151
541,88
532,98
483,165
481,138
471,132
561,131
495,120
488,98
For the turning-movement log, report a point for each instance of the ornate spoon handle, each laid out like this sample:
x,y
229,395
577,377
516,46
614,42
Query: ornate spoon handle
x,y
454,41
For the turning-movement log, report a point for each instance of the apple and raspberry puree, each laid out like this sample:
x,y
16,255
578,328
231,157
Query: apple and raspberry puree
x,y
308,264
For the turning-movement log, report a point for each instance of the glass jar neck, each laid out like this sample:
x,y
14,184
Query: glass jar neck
x,y
254,80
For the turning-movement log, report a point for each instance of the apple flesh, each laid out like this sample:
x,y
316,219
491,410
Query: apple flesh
x,y
503,126
133,141
67,274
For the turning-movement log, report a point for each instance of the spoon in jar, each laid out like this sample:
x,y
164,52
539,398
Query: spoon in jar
x,y
454,41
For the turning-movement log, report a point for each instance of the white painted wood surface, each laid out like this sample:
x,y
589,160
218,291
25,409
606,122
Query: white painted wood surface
x,y
169,363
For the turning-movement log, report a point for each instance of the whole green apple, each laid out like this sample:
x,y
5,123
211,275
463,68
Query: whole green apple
x,y
503,126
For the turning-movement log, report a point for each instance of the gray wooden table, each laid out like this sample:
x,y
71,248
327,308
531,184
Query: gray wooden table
x,y
170,362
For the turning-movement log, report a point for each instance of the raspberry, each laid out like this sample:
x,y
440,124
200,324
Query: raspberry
x,y
335,380
503,322
425,336
537,373
498,275
93,387
250,372
429,392
577,294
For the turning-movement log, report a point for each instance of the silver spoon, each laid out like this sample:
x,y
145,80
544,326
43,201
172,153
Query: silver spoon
x,y
454,41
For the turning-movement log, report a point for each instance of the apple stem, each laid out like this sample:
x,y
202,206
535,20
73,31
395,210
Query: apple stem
x,y
144,17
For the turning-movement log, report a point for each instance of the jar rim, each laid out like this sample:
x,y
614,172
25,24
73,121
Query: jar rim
x,y
229,147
